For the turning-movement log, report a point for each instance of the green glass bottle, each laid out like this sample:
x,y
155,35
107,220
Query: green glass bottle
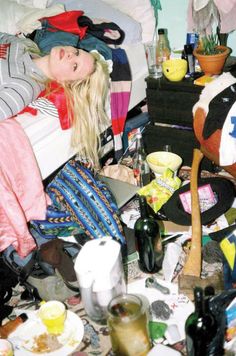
x,y
200,327
148,241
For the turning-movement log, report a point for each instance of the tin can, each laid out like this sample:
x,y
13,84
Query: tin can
x,y
128,326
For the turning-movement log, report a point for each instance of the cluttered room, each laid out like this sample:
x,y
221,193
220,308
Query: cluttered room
x,y
117,178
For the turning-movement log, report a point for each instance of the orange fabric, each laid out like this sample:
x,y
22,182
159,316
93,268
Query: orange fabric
x,y
209,147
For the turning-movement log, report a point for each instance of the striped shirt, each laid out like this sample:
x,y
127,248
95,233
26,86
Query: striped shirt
x,y
21,81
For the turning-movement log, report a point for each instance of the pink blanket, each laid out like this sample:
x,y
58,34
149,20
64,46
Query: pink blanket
x,y
22,196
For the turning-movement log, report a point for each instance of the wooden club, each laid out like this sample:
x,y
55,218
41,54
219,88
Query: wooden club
x,y
191,274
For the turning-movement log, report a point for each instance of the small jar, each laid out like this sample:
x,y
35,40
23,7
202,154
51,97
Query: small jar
x,y
128,326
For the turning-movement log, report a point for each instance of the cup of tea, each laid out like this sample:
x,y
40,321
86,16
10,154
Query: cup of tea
x,y
128,326
53,316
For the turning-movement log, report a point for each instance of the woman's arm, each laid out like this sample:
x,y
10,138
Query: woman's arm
x,y
20,80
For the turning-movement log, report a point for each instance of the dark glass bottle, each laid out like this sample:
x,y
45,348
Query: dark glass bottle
x,y
140,166
200,327
188,50
148,240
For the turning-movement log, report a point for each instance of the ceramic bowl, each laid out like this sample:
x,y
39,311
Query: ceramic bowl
x,y
175,69
159,161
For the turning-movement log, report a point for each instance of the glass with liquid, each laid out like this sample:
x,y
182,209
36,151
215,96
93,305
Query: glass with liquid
x,y
154,68
128,326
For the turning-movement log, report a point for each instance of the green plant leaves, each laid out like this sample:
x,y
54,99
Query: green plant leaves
x,y
210,45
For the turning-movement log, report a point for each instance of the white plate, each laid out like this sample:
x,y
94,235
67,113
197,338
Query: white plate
x,y
23,338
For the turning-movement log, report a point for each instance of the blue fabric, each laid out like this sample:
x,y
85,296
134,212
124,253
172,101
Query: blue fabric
x,y
46,39
79,201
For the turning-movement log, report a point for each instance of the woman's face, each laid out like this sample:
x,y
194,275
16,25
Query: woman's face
x,y
67,63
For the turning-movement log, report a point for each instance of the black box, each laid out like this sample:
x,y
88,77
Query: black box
x,y
172,102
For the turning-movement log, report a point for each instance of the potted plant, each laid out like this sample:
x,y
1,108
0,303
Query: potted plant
x,y
210,55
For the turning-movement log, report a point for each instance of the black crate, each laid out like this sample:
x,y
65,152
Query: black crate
x,y
171,102
182,142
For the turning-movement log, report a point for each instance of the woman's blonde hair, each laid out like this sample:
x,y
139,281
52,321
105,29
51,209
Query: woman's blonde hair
x,y
86,100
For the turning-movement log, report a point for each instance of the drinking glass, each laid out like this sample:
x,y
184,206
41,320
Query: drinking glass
x,y
154,68
53,316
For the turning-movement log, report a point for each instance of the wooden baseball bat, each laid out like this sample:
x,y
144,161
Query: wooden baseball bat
x,y
193,264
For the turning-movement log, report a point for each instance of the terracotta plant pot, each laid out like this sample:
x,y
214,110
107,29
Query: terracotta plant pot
x,y
212,64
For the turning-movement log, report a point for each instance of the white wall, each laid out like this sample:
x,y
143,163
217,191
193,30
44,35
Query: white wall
x,y
173,16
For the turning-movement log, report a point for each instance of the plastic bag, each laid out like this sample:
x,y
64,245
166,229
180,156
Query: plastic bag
x,y
120,172
160,189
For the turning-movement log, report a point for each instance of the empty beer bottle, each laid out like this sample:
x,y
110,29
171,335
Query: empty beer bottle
x,y
148,240
140,166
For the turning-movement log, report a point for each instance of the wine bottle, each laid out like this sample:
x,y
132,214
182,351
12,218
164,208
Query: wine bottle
x,y
140,166
148,240
200,327
11,325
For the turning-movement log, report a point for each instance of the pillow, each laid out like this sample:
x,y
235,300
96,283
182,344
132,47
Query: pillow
x,y
14,16
11,12
40,4
30,21
140,10
99,9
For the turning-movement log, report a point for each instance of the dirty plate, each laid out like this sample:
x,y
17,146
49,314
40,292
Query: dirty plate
x,y
24,339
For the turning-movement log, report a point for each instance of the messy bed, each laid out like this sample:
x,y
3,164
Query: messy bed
x,y
44,121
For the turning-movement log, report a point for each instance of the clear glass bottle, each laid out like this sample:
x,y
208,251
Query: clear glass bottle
x,y
200,327
140,166
148,240
163,49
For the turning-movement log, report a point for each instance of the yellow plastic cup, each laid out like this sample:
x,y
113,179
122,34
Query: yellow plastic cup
x,y
53,316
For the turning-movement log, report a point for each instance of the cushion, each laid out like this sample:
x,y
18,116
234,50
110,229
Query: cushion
x,y
40,4
141,11
11,12
101,10
15,18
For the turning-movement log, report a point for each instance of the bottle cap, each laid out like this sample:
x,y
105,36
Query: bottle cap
x,y
24,317
161,31
188,49
209,291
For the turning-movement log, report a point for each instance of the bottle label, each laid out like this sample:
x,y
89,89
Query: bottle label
x,y
189,346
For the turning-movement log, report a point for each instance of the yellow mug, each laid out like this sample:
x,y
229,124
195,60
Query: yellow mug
x,y
53,316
